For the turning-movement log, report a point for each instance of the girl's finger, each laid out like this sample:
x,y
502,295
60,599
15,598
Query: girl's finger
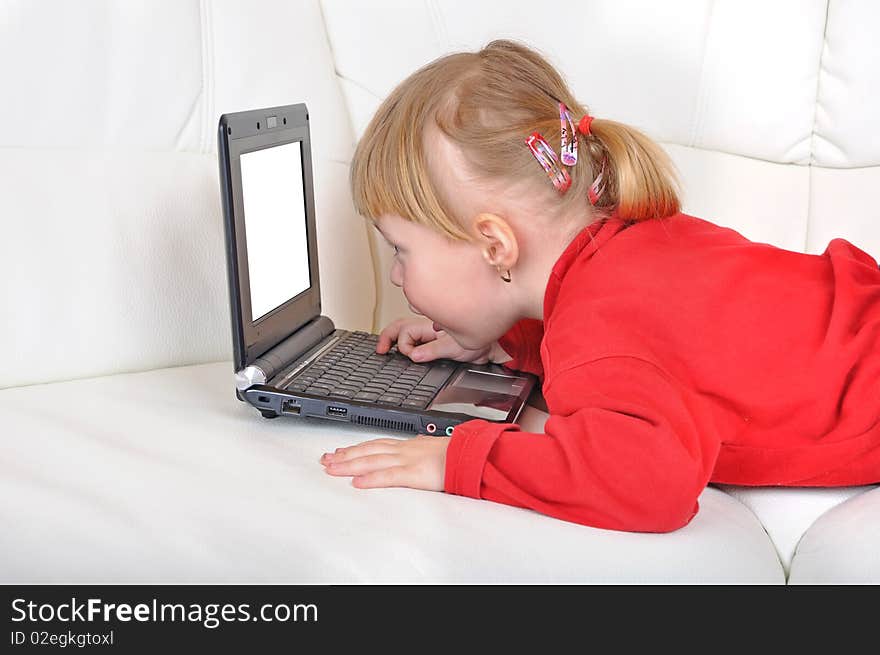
x,y
441,347
388,477
413,335
388,336
363,465
373,447
405,341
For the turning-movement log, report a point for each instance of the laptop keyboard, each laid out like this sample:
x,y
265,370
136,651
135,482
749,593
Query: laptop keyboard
x,y
352,369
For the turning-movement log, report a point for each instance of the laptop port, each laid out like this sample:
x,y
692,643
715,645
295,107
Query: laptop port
x,y
287,407
336,411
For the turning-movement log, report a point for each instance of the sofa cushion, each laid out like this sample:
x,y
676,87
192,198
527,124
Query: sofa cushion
x,y
842,546
788,512
164,476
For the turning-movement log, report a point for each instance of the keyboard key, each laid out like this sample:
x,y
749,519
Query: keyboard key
x,y
416,404
342,393
366,395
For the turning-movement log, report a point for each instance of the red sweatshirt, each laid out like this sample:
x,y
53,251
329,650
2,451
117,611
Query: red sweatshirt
x,y
674,353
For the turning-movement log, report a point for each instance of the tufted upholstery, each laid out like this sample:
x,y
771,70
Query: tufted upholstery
x,y
122,437
114,246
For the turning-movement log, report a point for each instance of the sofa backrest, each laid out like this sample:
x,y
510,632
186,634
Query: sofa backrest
x,y
770,110
113,253
113,246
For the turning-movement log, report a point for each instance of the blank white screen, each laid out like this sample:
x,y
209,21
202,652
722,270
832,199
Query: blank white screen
x,y
275,226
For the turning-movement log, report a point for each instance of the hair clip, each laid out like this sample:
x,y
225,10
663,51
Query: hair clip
x,y
568,151
549,162
597,187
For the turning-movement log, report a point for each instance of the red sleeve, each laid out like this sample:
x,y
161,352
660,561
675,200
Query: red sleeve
x,y
622,451
523,343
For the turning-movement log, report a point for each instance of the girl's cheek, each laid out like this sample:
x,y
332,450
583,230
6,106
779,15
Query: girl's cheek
x,y
396,274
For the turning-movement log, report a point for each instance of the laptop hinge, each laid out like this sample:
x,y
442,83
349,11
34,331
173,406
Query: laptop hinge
x,y
274,360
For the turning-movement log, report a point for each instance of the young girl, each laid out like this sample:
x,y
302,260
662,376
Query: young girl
x,y
672,352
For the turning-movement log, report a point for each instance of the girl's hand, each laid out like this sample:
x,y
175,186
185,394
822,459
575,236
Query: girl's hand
x,y
417,339
417,463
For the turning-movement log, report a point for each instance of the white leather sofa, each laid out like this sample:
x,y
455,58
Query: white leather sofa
x,y
126,456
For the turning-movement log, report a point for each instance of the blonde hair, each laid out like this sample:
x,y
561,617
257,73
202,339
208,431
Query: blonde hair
x,y
487,103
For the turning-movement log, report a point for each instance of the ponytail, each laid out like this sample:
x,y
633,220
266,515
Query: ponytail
x,y
642,182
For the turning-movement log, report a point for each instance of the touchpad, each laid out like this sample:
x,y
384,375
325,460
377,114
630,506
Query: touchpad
x,y
480,394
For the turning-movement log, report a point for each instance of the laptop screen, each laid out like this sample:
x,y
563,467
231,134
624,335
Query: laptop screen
x,y
275,226
268,201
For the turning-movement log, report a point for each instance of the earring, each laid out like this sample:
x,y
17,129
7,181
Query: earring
x,y
506,279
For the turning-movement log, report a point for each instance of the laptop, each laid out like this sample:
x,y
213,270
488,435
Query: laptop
x,y
289,359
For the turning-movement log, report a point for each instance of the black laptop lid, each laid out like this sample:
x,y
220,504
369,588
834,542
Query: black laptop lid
x,y
269,215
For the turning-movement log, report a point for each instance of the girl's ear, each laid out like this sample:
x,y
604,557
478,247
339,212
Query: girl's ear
x,y
497,241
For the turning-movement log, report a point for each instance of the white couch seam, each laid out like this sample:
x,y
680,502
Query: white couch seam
x,y
812,159
378,295
207,39
699,110
439,24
